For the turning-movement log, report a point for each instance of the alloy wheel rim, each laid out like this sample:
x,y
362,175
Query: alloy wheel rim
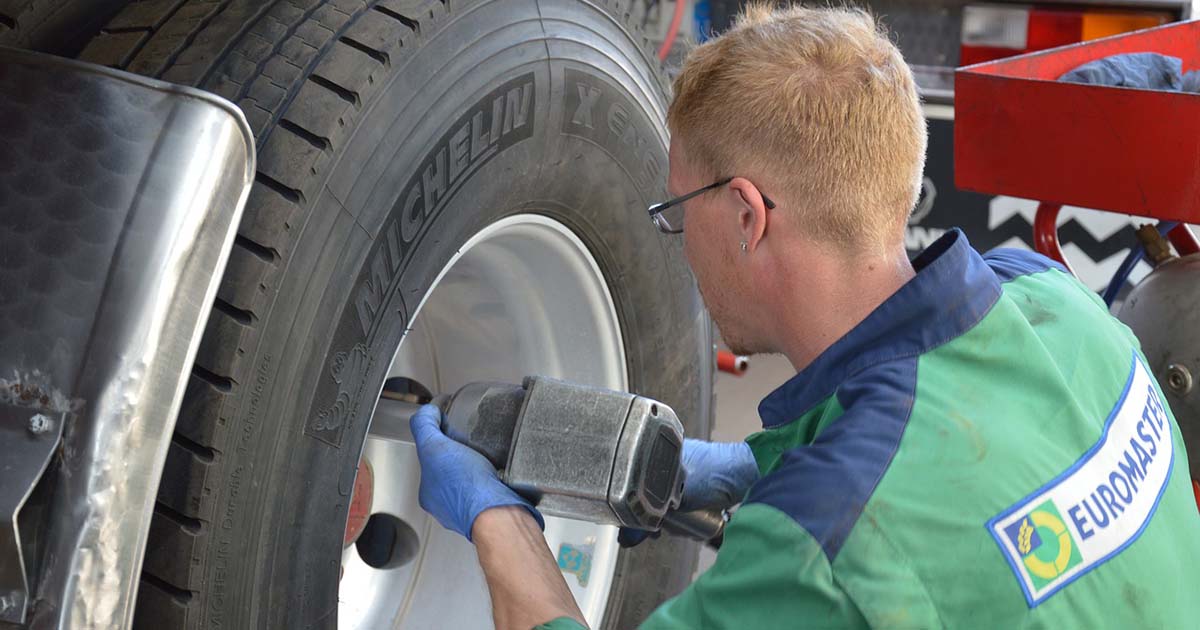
x,y
522,296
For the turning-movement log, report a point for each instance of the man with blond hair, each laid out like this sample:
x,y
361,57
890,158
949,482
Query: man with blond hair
x,y
970,441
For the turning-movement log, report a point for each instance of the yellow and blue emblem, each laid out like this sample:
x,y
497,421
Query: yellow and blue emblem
x,y
576,560
1046,547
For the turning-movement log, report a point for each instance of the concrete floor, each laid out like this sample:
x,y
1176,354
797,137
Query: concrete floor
x,y
738,396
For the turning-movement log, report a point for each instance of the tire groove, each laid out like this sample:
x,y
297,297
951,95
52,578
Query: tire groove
x,y
181,595
260,251
222,383
310,70
226,50
349,96
240,315
203,453
377,55
127,29
403,19
186,523
137,49
277,46
287,192
316,141
192,35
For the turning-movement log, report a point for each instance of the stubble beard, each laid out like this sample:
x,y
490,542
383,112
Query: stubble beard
x,y
729,325
738,344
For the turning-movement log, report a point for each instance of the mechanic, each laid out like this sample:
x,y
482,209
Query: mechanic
x,y
970,441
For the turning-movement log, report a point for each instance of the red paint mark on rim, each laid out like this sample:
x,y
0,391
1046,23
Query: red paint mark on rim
x,y
360,502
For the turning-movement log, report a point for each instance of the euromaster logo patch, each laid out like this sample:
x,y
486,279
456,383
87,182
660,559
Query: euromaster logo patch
x,y
1097,507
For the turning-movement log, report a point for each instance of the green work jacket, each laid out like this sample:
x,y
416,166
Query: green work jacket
x,y
987,449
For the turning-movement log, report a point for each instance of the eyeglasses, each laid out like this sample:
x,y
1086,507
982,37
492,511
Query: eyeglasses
x,y
668,215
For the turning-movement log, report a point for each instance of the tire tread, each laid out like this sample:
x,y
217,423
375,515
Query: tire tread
x,y
302,71
55,26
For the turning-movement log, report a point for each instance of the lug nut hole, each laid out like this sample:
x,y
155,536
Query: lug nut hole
x,y
387,542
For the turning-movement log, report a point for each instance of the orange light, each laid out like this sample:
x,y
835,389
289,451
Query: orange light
x,y
1097,25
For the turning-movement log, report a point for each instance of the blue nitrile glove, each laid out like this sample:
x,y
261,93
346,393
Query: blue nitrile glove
x,y
719,474
457,483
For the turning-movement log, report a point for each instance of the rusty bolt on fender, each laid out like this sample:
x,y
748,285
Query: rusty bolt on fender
x,y
40,424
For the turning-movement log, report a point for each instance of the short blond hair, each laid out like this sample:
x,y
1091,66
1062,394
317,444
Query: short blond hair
x,y
816,105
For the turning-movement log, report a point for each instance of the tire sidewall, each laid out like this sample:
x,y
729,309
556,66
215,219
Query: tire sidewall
x,y
589,152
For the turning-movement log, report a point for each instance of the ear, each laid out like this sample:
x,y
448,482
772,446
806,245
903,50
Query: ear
x,y
752,216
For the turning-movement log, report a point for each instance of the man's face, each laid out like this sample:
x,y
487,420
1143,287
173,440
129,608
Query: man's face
x,y
711,245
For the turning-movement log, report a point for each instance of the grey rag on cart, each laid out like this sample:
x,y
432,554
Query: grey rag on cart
x,y
1147,71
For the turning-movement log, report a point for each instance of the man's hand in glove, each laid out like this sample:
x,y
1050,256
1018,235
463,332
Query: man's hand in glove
x,y
459,487
719,474
457,483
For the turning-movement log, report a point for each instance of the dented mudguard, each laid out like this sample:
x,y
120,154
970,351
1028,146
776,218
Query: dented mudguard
x,y
119,201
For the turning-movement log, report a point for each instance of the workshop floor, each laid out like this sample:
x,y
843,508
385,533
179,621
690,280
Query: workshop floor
x,y
738,396
737,408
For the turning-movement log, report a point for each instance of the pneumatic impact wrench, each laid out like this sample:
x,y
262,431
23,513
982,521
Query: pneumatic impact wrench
x,y
574,451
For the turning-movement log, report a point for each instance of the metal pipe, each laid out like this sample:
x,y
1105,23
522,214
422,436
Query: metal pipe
x,y
673,30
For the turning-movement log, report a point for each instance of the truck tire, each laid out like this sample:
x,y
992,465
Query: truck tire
x,y
60,27
377,161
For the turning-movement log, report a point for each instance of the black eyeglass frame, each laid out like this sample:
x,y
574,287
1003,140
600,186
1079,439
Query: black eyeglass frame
x,y
657,209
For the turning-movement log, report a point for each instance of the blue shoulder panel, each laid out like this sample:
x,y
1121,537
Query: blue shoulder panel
x,y
1013,263
953,289
825,485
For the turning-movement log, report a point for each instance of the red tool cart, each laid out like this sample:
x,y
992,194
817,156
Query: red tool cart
x,y
1021,132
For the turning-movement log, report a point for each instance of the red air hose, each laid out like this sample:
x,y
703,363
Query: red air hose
x,y
672,31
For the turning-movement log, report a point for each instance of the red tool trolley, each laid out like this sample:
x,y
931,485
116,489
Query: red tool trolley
x,y
1021,132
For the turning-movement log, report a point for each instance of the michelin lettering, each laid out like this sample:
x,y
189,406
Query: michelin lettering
x,y
499,120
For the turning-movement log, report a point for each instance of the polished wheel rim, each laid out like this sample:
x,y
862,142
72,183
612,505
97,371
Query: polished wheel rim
x,y
523,296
